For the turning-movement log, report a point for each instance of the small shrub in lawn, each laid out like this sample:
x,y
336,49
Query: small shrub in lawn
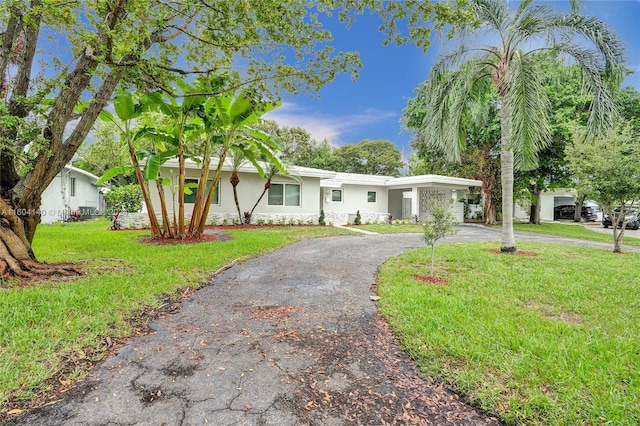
x,y
282,221
236,221
145,225
358,219
225,222
310,222
260,221
214,221
292,221
368,222
438,226
300,222
132,225
321,218
270,222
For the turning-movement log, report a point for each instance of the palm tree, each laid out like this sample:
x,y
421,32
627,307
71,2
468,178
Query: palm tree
x,y
513,67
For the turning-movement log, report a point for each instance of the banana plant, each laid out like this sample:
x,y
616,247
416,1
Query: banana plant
x,y
128,109
229,118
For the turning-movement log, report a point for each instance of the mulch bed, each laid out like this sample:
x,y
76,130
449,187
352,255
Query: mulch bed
x,y
517,253
427,279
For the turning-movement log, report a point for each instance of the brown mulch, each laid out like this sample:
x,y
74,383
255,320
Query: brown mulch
x,y
427,279
517,253
205,238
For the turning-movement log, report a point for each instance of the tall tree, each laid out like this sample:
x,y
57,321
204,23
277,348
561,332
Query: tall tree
x,y
372,157
511,67
105,152
568,108
480,160
609,168
146,44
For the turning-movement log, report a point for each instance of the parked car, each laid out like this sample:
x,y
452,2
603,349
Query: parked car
x,y
568,212
632,217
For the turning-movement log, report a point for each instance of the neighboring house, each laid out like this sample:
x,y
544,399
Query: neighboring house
x,y
548,201
305,191
71,190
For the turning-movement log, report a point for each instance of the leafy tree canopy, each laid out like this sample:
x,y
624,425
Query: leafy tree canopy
x,y
373,157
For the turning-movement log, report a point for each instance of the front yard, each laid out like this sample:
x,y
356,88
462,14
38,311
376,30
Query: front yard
x,y
550,339
51,331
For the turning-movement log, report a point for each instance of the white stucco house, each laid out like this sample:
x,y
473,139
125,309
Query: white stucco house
x,y
302,194
548,201
71,190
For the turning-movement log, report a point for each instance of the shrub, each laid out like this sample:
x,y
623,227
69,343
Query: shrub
x,y
236,221
260,221
127,198
358,219
247,218
437,227
270,222
225,221
214,221
321,218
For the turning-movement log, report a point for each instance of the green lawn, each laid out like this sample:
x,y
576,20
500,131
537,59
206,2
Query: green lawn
x,y
560,229
47,322
574,231
550,339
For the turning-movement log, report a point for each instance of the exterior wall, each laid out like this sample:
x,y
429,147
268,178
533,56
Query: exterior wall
x,y
57,201
395,202
548,200
249,189
354,199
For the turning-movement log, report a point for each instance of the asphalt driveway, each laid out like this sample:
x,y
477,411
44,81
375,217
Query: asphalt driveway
x,y
289,338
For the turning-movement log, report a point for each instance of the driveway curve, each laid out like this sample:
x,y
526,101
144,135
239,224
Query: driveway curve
x,y
288,338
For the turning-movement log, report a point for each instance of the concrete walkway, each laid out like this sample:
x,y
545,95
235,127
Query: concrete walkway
x,y
289,338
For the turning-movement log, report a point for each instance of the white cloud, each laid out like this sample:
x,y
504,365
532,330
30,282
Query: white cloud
x,y
322,126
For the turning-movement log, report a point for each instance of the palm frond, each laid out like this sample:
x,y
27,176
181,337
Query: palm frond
x,y
492,12
528,105
449,99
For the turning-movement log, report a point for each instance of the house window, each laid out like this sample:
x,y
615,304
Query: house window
x,y
284,194
372,196
336,195
191,198
72,187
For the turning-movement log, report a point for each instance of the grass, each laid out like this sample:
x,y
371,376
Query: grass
x,y
550,339
574,231
45,323
559,229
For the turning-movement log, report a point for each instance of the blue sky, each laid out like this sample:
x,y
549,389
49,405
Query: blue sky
x,y
347,112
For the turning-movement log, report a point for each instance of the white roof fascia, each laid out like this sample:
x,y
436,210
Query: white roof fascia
x,y
358,179
93,177
433,180
247,167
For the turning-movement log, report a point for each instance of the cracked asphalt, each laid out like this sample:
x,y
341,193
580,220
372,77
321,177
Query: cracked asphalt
x,y
289,338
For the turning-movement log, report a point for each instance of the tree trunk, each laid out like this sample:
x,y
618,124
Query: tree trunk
x,y
577,214
235,180
16,255
202,217
488,206
267,185
433,260
166,223
534,211
508,244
